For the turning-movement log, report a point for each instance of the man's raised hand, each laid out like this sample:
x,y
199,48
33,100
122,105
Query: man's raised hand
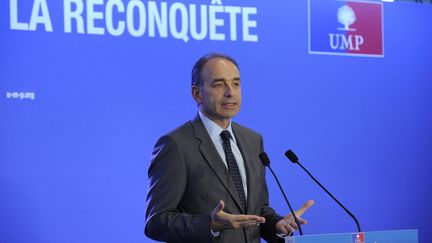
x,y
287,224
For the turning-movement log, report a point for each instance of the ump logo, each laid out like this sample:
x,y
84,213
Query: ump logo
x,y
346,28
358,238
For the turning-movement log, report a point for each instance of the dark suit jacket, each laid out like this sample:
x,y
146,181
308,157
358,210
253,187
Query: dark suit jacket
x,y
187,178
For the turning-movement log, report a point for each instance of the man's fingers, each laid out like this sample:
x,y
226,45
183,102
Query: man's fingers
x,y
300,220
286,229
248,223
245,221
305,207
252,218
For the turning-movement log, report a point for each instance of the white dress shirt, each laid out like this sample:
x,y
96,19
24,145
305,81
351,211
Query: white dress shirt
x,y
214,130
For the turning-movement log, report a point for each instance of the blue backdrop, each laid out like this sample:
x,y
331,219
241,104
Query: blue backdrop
x,y
81,106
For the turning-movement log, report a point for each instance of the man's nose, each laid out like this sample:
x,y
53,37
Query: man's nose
x,y
228,90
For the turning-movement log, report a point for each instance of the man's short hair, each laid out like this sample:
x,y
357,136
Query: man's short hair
x,y
197,68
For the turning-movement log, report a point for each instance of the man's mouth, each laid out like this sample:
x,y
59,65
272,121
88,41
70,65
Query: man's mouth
x,y
229,104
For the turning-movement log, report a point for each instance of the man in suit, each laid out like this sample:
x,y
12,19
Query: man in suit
x,y
206,182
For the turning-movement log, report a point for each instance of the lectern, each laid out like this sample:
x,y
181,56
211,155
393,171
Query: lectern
x,y
393,236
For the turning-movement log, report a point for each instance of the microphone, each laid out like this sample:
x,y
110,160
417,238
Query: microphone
x,y
293,158
266,162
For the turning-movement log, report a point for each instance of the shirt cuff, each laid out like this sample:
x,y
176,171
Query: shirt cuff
x,y
215,233
282,235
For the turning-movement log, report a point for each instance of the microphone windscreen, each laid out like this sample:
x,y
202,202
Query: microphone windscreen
x,y
291,156
264,159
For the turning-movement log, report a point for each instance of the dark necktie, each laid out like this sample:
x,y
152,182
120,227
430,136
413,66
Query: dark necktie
x,y
233,167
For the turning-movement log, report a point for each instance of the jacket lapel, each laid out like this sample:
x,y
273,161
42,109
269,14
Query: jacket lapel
x,y
212,157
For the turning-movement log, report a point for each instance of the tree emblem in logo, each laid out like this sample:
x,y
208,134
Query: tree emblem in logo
x,y
346,16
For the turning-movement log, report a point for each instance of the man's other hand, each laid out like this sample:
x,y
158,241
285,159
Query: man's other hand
x,y
287,224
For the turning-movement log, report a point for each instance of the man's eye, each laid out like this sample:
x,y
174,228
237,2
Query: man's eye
x,y
218,85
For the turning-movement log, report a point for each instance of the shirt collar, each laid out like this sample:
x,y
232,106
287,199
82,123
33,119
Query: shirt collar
x,y
213,129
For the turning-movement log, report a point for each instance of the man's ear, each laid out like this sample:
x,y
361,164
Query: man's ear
x,y
196,94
